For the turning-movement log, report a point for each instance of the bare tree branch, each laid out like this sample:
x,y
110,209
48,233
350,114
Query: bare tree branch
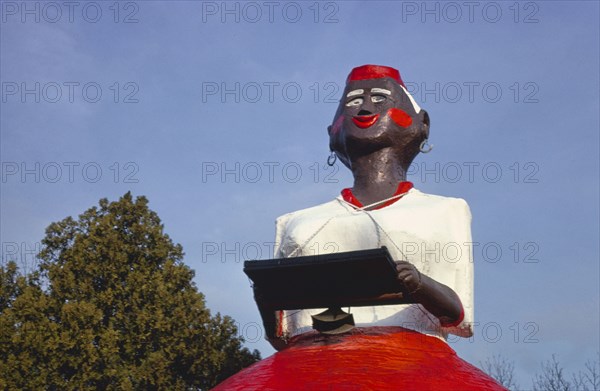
x,y
551,378
501,370
589,379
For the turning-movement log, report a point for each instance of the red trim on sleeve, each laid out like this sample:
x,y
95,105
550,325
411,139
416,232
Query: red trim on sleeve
x,y
349,197
459,321
279,332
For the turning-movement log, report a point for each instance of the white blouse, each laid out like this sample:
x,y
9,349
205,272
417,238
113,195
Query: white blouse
x,y
431,232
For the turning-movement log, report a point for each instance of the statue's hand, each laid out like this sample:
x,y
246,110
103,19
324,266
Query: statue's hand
x,y
437,298
408,277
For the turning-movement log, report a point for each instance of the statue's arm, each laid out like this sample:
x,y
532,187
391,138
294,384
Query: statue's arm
x,y
437,298
446,290
270,322
269,315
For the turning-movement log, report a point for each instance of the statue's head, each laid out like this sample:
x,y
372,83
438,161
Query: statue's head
x,y
375,112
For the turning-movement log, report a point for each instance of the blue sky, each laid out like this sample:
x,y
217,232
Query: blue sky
x,y
217,112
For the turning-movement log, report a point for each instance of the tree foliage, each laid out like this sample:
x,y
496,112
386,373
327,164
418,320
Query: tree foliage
x,y
112,306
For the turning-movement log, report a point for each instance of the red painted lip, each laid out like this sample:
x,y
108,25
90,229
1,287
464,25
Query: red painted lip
x,y
364,121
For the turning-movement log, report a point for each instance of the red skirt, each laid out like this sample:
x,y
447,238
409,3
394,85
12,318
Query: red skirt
x,y
372,358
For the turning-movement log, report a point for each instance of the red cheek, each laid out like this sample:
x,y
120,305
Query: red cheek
x,y
400,117
337,125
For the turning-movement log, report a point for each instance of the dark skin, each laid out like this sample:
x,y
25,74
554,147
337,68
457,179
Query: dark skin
x,y
379,156
373,136
269,322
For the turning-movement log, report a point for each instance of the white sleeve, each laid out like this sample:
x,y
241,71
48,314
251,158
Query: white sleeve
x,y
280,234
281,324
462,281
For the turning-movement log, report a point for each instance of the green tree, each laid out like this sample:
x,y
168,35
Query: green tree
x,y
112,307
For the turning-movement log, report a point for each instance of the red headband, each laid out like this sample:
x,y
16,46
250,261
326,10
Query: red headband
x,y
366,72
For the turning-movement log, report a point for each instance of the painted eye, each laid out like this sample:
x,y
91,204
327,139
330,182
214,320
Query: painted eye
x,y
377,98
355,102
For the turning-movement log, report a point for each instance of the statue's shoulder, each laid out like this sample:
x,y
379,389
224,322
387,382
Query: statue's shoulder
x,y
416,198
317,211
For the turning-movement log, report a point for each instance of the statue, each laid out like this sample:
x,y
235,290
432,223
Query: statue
x,y
377,131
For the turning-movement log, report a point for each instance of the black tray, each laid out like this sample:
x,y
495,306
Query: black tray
x,y
355,278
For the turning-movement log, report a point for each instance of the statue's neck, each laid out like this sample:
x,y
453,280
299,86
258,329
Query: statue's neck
x,y
376,176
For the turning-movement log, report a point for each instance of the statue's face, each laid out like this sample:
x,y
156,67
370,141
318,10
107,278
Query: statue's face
x,y
374,114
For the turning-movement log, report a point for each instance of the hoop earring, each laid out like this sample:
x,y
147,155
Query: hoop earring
x,y
331,159
425,143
